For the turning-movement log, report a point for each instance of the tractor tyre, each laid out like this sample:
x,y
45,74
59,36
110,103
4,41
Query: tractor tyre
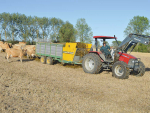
x,y
91,63
141,71
49,60
120,70
43,59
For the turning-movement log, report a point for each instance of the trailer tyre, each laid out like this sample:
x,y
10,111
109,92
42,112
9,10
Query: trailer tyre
x,y
141,71
49,60
43,59
120,70
91,63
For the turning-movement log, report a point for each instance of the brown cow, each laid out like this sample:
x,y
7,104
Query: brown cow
x,y
11,52
18,46
22,43
1,42
30,50
30,53
4,46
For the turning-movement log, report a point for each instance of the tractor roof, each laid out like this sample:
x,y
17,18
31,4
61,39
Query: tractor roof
x,y
104,37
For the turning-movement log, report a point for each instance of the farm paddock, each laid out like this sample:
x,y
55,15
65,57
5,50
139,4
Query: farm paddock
x,y
34,87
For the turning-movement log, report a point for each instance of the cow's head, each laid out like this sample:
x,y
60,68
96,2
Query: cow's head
x,y
23,46
24,51
6,46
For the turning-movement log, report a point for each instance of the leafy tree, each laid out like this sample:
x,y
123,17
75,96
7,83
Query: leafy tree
x,y
23,32
55,26
5,22
34,29
84,31
13,25
137,25
67,33
43,23
115,44
1,26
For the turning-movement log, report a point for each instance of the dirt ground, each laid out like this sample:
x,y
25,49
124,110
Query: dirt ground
x,y
40,88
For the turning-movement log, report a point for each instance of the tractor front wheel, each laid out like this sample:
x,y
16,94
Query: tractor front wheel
x,y
91,63
120,70
141,70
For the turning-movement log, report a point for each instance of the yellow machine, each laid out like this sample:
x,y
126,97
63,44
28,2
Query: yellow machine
x,y
70,52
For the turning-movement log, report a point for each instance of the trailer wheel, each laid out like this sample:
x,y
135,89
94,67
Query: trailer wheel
x,y
43,59
91,63
49,60
120,70
141,71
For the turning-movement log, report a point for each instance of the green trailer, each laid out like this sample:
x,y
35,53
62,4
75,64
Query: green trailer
x,y
49,52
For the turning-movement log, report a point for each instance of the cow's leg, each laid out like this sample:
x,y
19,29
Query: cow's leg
x,y
8,57
0,50
27,56
20,59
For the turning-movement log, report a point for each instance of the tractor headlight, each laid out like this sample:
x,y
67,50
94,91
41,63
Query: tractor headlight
x,y
133,61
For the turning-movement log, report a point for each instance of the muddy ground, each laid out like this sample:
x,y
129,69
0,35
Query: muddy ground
x,y
40,88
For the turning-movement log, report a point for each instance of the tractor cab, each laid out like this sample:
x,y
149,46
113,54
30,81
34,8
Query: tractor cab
x,y
102,54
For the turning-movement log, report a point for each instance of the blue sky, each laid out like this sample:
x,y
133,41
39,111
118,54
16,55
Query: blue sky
x,y
105,17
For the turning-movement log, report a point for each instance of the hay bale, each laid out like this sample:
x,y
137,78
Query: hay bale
x,y
81,45
81,49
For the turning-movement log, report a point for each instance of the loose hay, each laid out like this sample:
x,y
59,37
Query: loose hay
x,y
37,59
73,65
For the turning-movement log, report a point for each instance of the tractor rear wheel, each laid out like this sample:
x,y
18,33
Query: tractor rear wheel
x,y
91,63
141,70
49,60
120,70
43,59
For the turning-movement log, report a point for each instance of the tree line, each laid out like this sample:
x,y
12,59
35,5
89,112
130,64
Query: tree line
x,y
17,26
27,28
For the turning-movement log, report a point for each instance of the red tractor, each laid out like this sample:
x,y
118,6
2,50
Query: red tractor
x,y
121,63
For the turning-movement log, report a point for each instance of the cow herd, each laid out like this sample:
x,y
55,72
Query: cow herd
x,y
17,50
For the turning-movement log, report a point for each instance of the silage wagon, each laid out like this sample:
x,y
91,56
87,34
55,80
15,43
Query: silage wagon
x,y
70,53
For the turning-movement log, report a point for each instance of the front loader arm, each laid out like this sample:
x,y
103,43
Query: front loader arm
x,y
133,38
